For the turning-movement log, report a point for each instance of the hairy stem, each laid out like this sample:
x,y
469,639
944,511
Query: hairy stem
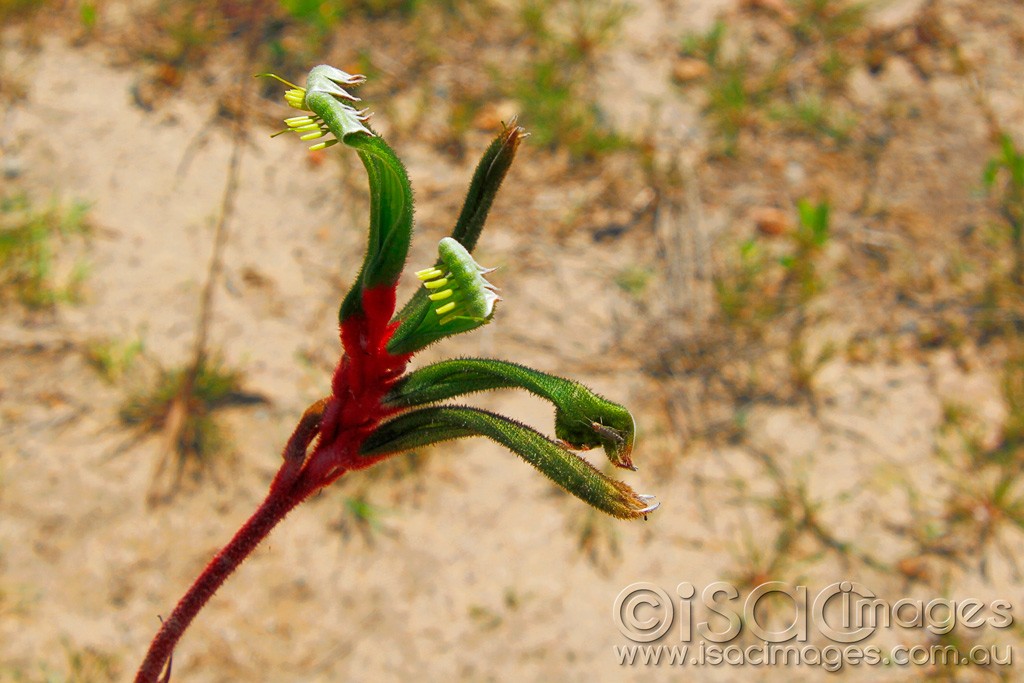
x,y
289,489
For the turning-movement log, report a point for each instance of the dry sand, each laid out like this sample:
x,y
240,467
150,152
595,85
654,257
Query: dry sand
x,y
476,574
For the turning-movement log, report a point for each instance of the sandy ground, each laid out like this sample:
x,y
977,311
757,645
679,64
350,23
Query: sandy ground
x,y
476,573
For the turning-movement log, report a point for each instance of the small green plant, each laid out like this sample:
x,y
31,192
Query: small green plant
x,y
13,9
597,538
29,244
376,409
757,287
1013,393
814,115
81,665
827,21
88,15
324,15
362,516
764,294
803,365
981,510
809,239
735,94
566,37
187,33
740,290
826,27
791,78
634,280
112,359
707,46
1004,179
88,665
186,413
999,309
276,33
732,100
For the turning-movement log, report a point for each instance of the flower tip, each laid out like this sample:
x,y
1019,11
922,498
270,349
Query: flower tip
x,y
470,292
654,505
340,77
646,511
620,500
620,455
514,134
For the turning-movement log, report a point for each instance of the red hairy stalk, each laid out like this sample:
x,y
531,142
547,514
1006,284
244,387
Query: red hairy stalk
x,y
364,374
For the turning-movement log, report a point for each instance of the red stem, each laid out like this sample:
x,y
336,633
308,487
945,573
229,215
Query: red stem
x,y
277,504
363,376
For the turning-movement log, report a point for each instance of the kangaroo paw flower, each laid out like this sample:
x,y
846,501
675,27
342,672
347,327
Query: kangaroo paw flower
x,y
458,299
574,474
373,410
583,419
328,103
462,291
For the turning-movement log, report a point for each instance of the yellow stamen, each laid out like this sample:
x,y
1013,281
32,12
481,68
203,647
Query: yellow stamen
x,y
295,98
322,145
447,308
436,284
441,296
278,78
429,273
312,136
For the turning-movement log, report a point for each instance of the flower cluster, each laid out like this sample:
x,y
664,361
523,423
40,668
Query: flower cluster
x,y
376,408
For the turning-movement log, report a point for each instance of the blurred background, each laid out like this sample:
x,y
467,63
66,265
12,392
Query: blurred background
x,y
786,233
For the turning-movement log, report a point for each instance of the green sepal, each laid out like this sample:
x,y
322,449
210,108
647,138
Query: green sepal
x,y
583,419
433,425
487,179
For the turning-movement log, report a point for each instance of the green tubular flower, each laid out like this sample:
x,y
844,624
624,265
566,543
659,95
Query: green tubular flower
x,y
329,105
331,112
458,298
433,425
583,419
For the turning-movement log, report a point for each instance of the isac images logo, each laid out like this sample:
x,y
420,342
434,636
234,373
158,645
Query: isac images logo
x,y
781,619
